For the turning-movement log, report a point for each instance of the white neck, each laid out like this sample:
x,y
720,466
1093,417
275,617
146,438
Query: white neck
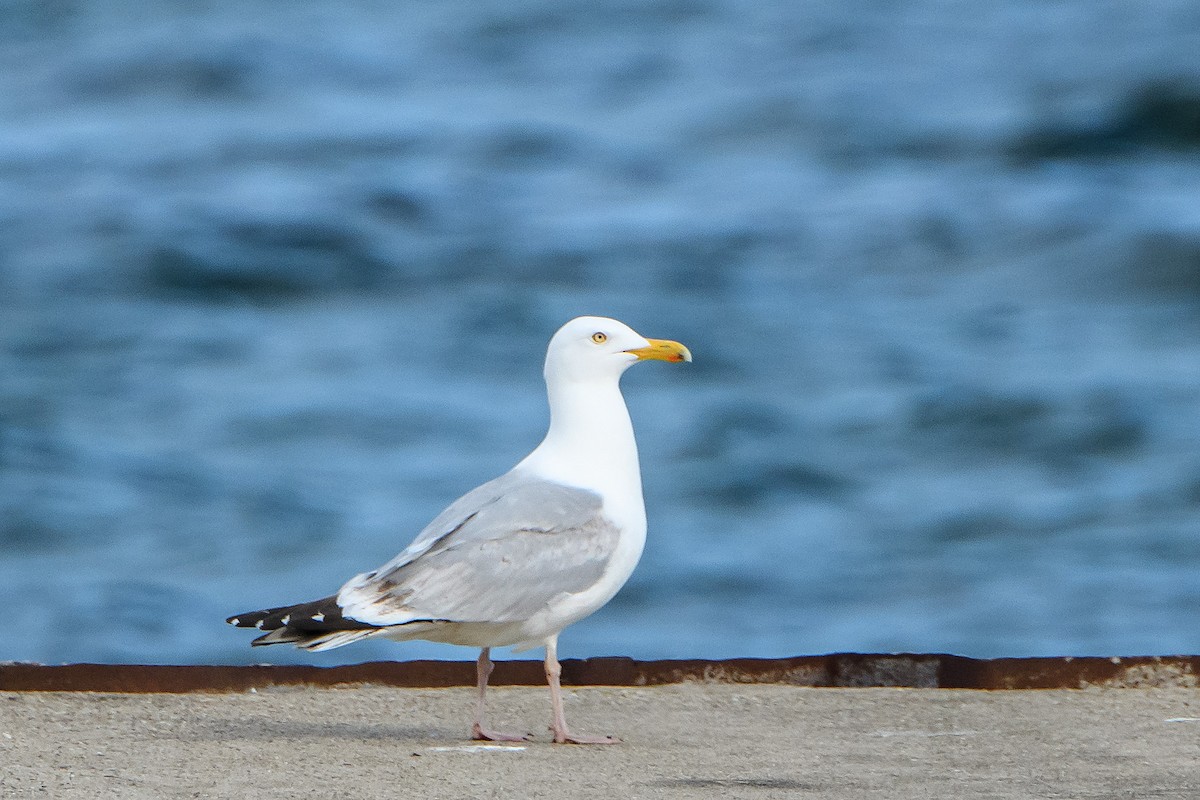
x,y
590,443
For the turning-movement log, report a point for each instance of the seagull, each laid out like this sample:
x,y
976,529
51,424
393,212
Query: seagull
x,y
518,559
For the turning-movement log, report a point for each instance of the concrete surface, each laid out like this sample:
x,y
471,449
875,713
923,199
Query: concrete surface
x,y
689,740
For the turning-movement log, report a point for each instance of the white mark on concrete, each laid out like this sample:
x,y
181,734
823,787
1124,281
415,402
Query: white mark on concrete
x,y
476,748
1182,719
887,734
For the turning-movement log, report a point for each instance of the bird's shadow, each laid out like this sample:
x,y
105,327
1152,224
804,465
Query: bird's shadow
x,y
268,729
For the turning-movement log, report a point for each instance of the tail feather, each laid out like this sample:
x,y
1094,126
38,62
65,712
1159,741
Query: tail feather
x,y
318,625
317,642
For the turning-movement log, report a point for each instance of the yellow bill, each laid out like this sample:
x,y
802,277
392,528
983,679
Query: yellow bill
x,y
662,350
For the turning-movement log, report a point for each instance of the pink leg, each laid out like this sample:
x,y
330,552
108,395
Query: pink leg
x,y
483,670
559,726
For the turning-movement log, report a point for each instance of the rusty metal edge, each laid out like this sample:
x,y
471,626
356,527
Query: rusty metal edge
x,y
838,670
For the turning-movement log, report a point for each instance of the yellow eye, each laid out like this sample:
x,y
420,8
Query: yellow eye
x,y
599,337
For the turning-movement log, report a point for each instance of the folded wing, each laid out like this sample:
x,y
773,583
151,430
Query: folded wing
x,y
501,553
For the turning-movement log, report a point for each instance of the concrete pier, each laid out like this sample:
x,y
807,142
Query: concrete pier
x,y
697,738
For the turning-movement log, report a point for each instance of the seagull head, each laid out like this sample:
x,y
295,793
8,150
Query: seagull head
x,y
598,348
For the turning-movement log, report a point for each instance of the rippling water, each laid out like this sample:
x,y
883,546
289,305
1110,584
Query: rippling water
x,y
275,286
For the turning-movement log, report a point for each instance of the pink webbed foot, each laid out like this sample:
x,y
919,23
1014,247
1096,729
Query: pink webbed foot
x,y
481,734
566,737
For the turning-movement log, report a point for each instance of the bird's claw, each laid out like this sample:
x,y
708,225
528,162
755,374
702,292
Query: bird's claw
x,y
564,737
484,735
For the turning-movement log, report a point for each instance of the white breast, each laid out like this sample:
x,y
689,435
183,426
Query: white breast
x,y
595,451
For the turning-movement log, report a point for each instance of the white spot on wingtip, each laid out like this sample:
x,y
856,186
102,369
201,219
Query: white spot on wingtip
x,y
234,620
286,619
258,624
318,617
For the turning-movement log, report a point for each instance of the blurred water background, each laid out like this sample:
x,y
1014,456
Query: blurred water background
x,y
276,282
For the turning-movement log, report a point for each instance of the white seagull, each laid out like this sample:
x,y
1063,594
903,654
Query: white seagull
x,y
518,559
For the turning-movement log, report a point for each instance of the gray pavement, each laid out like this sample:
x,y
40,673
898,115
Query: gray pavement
x,y
690,740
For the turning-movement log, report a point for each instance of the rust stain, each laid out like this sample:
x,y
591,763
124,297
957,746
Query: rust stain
x,y
840,670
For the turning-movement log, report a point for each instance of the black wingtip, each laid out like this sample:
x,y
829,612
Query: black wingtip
x,y
245,619
301,620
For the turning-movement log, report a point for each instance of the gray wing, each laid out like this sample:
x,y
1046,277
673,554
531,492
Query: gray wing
x,y
501,553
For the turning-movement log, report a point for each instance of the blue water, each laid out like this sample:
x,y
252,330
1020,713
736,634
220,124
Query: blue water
x,y
276,282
